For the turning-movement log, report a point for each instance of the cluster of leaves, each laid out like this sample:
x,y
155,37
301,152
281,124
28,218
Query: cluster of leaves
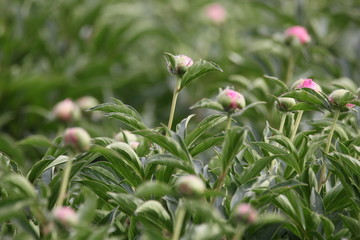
x,y
122,193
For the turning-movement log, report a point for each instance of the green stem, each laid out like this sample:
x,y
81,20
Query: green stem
x,y
228,122
290,69
220,181
239,232
282,122
173,103
327,149
179,222
297,123
64,183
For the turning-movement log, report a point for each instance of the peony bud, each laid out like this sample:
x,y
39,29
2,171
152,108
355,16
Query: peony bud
x,y
182,63
65,215
284,104
77,138
299,33
134,145
66,110
306,83
244,213
216,13
340,99
190,186
87,102
126,136
231,100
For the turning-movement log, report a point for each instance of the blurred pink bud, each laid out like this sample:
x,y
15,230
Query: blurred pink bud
x,y
190,186
306,83
77,138
231,100
245,213
87,102
65,215
66,110
298,32
216,13
134,145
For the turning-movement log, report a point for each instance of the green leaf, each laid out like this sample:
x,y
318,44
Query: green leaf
x,y
353,225
170,161
20,183
43,165
125,202
168,143
205,125
153,214
277,82
234,140
205,144
334,200
170,60
209,104
328,226
152,189
121,164
36,141
255,168
304,106
13,207
128,120
196,70
284,155
181,128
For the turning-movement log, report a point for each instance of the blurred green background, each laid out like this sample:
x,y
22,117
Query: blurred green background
x,y
52,50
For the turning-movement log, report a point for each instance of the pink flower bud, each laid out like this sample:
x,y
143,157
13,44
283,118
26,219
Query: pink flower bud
x,y
306,83
66,110
190,186
299,33
336,99
216,13
244,213
77,138
134,145
65,215
87,102
231,100
182,63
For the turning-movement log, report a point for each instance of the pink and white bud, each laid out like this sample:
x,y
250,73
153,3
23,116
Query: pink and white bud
x,y
65,215
245,213
87,102
66,110
182,63
306,83
298,32
134,145
126,136
190,186
77,138
216,13
231,100
336,97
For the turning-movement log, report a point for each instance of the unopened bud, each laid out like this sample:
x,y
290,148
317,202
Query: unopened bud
x,y
284,104
245,213
190,186
65,215
125,136
182,63
340,99
231,100
216,13
77,138
298,33
306,83
67,110
87,102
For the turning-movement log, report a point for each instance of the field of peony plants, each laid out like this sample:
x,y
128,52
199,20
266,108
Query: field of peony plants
x,y
179,120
